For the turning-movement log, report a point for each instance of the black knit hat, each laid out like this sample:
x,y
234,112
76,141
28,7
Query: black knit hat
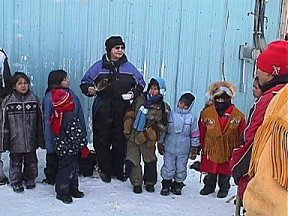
x,y
187,99
55,78
112,42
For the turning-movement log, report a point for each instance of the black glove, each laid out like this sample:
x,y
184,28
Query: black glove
x,y
161,148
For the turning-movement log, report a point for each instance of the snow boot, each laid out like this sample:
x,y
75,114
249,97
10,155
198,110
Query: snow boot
x,y
76,193
65,198
18,188
222,193
137,189
105,177
150,188
4,180
30,184
176,187
207,190
166,184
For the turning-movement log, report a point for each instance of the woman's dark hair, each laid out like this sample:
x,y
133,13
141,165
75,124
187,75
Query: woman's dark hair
x,y
55,78
17,75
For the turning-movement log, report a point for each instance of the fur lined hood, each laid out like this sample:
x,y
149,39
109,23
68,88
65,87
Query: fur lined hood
x,y
220,87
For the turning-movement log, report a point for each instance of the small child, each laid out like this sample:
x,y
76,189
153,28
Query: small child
x,y
221,126
22,133
143,133
182,137
65,135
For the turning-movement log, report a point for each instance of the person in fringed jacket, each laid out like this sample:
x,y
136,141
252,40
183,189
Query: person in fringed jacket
x,y
260,164
143,125
65,135
221,125
22,132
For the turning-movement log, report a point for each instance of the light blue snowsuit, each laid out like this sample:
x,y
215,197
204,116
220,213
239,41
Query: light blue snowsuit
x,y
182,134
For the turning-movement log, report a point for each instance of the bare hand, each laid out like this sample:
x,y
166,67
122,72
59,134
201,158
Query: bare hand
x,y
92,90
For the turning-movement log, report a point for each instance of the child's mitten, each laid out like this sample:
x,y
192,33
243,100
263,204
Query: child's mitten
x,y
161,148
128,122
193,153
85,152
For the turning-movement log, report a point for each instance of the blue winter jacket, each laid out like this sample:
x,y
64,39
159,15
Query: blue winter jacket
x,y
127,78
48,111
182,132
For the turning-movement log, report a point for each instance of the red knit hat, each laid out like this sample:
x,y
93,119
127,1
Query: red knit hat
x,y
274,60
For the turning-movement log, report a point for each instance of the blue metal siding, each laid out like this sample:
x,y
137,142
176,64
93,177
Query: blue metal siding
x,y
190,43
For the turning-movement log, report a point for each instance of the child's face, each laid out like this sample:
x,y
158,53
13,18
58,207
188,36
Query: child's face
x,y
182,105
22,86
65,82
153,91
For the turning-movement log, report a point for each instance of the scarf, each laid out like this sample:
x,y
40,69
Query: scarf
x,y
141,117
62,102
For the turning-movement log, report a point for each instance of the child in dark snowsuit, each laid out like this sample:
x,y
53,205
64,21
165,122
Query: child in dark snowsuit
x,y
5,89
143,133
182,137
22,132
65,135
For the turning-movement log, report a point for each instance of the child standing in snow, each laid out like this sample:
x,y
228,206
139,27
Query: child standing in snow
x,y
182,137
150,122
22,132
221,126
65,134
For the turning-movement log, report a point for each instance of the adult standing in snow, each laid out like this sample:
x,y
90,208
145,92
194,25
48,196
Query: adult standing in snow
x,y
113,81
5,88
221,125
272,70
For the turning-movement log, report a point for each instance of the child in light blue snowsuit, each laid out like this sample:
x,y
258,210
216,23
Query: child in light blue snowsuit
x,y
181,138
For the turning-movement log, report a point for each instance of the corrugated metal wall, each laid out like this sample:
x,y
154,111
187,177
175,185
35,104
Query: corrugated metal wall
x,y
190,43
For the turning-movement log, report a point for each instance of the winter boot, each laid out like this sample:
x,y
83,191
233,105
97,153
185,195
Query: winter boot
x,y
4,180
137,189
176,187
30,184
166,184
150,188
210,184
65,198
75,193
222,193
105,177
224,185
208,189
18,188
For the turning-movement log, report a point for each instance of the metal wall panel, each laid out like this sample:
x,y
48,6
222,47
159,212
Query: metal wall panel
x,y
190,43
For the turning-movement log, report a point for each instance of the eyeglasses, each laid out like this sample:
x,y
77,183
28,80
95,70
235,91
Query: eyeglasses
x,y
118,47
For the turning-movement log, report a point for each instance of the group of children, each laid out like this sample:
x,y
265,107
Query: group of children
x,y
148,121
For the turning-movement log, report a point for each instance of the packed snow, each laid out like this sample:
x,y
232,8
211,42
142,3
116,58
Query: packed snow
x,y
115,198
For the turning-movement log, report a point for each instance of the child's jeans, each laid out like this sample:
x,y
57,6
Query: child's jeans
x,y
17,173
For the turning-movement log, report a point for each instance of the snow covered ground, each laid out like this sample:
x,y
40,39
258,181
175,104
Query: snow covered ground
x,y
115,198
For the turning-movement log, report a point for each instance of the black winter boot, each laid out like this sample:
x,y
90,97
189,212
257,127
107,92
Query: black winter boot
x,y
224,185
137,189
210,184
166,184
176,187
18,188
75,193
105,177
65,198
150,188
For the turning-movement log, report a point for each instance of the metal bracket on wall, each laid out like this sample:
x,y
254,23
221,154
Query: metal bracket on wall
x,y
247,54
